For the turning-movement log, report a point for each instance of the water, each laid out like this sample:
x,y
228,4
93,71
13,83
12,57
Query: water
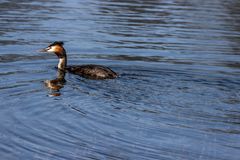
x,y
177,97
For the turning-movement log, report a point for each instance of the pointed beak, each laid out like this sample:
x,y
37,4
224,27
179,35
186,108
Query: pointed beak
x,y
44,50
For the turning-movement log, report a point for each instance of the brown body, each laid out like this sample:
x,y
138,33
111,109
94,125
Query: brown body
x,y
92,71
88,71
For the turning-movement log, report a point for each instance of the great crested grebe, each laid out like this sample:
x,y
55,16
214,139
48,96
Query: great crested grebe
x,y
90,71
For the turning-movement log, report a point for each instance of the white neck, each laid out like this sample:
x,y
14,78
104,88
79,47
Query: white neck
x,y
62,63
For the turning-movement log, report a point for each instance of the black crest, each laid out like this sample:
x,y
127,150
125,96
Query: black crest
x,y
60,43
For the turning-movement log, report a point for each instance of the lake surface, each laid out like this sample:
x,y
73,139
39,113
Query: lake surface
x,y
177,97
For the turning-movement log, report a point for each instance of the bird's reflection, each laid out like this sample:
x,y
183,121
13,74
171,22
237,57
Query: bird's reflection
x,y
56,84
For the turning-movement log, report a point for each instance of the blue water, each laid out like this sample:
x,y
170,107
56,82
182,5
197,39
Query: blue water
x,y
177,97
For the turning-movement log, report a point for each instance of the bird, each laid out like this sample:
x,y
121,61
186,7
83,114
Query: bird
x,y
89,71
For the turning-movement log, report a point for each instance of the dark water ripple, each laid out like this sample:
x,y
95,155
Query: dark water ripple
x,y
177,96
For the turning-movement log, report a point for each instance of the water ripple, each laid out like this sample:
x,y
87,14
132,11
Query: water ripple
x,y
177,96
